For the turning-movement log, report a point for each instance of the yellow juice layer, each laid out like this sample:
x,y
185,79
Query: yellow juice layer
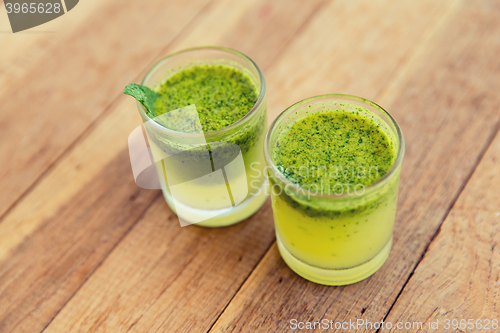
x,y
211,191
335,240
332,156
223,187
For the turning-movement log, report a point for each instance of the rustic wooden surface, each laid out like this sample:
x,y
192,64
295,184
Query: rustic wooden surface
x,y
83,249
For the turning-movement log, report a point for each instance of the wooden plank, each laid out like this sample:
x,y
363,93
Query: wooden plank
x,y
25,48
172,285
49,266
281,18
448,108
36,230
163,278
458,277
74,84
342,51
65,180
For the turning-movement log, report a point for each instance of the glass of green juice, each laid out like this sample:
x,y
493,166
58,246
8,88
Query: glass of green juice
x,y
206,134
333,165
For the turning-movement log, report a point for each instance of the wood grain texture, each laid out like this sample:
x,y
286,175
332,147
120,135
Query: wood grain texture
x,y
88,311
32,232
459,276
26,48
76,82
164,278
38,278
70,176
352,47
82,249
266,27
448,108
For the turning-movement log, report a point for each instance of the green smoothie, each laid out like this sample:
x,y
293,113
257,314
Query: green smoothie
x,y
221,95
333,153
331,148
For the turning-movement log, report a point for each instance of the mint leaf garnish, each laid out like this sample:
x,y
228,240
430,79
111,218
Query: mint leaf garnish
x,y
143,95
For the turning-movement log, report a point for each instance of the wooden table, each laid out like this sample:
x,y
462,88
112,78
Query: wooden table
x,y
83,249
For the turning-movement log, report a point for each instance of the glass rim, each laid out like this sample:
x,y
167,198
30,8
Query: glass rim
x,y
221,131
369,188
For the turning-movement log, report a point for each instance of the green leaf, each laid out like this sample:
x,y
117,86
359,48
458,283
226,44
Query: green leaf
x,y
143,95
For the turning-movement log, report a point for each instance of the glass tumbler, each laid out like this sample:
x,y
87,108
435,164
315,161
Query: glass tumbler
x,y
215,178
334,238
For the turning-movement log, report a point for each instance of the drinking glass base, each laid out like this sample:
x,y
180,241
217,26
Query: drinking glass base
x,y
335,277
213,219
